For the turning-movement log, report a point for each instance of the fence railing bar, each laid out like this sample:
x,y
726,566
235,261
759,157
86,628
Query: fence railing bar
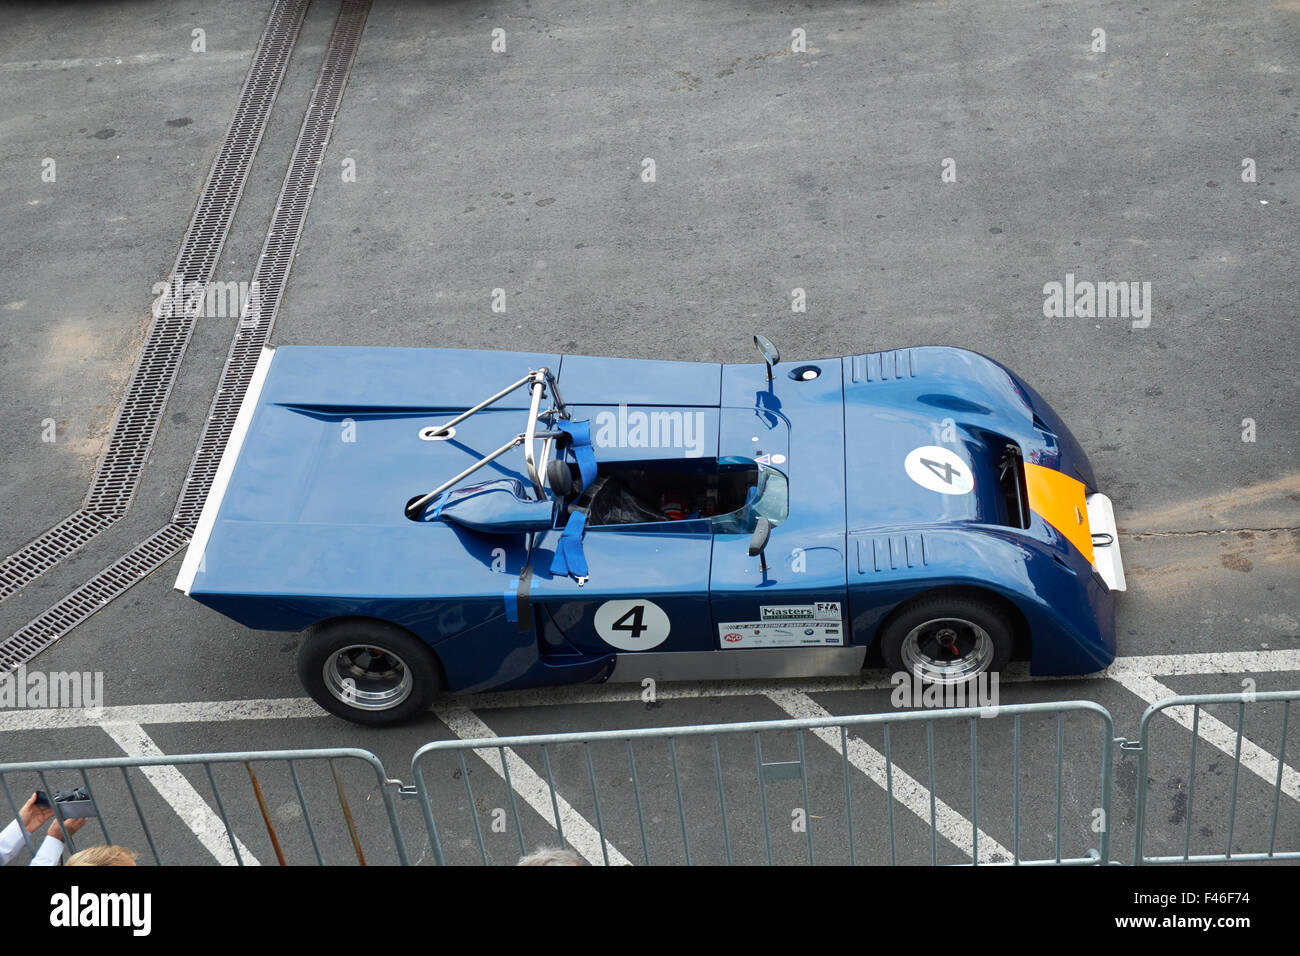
x,y
426,809
1060,779
762,794
221,811
722,799
704,730
1277,787
347,813
1236,774
514,808
640,812
1015,791
1107,785
555,800
266,814
595,798
16,810
1217,858
974,794
934,828
1191,781
848,794
681,805
58,815
889,796
94,804
306,813
807,802
473,809
139,812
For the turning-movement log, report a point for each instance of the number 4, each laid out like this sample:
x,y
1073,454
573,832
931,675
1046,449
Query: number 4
x,y
948,473
636,627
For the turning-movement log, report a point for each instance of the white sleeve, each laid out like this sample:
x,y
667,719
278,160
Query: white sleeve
x,y
50,853
11,841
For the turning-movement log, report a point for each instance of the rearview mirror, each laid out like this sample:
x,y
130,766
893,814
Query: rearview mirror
x,y
770,355
758,541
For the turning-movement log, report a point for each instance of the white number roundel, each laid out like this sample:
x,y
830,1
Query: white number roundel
x,y
635,625
939,469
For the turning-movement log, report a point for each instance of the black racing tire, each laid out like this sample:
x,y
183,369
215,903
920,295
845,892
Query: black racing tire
x,y
394,675
921,635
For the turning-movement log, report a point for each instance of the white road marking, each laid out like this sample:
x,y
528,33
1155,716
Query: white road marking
x,y
130,59
580,835
199,712
180,795
1160,665
1216,733
915,796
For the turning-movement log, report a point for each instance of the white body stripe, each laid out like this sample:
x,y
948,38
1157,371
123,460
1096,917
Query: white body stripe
x,y
212,504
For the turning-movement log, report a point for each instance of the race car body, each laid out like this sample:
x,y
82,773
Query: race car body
x,y
665,519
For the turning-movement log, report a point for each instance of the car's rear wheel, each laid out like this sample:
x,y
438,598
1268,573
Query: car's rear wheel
x,y
368,671
948,639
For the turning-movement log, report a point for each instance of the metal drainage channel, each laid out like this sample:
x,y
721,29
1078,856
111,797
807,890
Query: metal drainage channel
x,y
118,474
271,274
276,260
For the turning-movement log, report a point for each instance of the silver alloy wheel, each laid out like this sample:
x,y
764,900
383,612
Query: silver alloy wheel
x,y
367,677
947,650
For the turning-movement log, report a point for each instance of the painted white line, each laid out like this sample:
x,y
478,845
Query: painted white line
x,y
180,794
1216,733
912,794
199,712
1226,662
580,835
1161,665
130,59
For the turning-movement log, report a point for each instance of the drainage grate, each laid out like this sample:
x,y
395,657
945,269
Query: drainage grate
x,y
276,260
118,475
17,570
271,274
108,584
133,433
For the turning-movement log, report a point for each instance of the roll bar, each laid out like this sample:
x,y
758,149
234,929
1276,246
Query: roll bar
x,y
538,381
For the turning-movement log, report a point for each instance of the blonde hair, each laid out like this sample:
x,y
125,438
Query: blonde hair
x,y
552,856
102,856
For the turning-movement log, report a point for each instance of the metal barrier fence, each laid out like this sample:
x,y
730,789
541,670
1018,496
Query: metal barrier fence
x,y
1024,784
1212,786
848,797
248,809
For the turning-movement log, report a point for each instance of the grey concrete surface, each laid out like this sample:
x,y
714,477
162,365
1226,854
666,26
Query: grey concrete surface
x,y
819,170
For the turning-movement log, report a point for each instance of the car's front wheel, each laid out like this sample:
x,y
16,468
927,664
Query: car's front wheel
x,y
368,671
948,639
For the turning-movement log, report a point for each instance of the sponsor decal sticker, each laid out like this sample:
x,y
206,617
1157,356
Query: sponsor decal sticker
x,y
779,633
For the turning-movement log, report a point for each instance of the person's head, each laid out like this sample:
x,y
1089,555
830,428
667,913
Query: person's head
x,y
552,856
102,856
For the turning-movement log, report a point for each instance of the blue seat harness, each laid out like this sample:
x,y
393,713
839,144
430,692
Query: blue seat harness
x,y
569,559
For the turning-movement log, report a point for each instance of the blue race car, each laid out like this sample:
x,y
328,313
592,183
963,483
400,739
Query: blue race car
x,y
671,520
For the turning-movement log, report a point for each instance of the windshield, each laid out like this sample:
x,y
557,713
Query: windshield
x,y
769,498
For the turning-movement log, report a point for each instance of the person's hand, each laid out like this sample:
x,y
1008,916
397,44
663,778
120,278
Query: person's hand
x,y
33,817
72,826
